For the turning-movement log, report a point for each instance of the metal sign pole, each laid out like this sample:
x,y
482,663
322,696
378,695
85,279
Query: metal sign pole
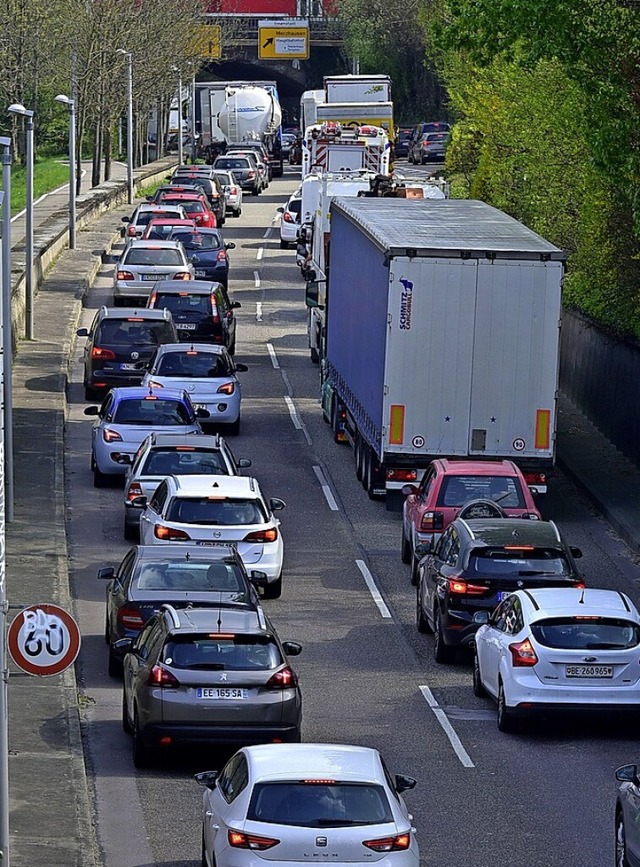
x,y
6,348
4,669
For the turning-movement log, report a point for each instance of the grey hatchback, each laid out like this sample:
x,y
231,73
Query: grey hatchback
x,y
198,676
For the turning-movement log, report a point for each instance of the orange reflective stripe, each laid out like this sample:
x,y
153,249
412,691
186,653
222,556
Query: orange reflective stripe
x,y
396,425
543,428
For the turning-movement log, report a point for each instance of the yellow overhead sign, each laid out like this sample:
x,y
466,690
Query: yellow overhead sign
x,y
207,41
283,43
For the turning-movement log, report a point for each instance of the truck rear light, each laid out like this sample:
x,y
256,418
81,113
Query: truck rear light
x,y
535,478
389,844
284,679
103,354
227,388
134,490
240,840
431,521
111,436
124,275
262,536
400,475
170,534
130,618
462,587
159,676
522,654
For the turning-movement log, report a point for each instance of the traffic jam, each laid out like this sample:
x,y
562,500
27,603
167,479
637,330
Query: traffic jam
x,y
336,603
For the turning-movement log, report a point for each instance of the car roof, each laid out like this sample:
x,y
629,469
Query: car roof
x,y
197,485
150,243
185,552
185,346
203,441
137,391
574,601
477,468
313,762
221,620
135,312
512,531
193,287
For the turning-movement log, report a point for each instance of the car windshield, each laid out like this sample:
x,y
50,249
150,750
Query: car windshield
x,y
197,240
587,632
184,461
457,490
152,411
184,302
226,653
228,163
224,178
198,576
490,562
190,363
225,512
153,256
128,332
319,805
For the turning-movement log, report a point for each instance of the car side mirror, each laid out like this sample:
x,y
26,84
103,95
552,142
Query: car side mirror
x,y
82,332
280,210
92,410
311,294
124,460
292,648
148,198
202,413
423,549
207,779
276,504
241,367
235,305
258,579
408,490
403,783
481,618
244,463
230,246
139,502
627,774
107,573
575,552
125,219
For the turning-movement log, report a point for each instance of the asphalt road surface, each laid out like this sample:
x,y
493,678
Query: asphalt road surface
x,y
540,798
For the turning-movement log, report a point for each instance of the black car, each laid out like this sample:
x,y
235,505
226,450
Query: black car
x,y
207,251
201,310
245,171
476,563
183,575
403,141
120,344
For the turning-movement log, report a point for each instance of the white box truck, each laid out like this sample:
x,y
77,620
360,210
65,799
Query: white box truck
x,y
357,88
442,338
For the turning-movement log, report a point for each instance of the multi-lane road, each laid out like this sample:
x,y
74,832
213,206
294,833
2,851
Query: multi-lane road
x,y
542,798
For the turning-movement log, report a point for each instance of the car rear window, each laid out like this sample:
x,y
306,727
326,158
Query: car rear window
x,y
184,461
523,562
223,577
145,217
193,207
239,163
192,363
134,332
227,512
158,412
184,302
458,490
229,653
587,633
197,240
153,256
319,805
295,206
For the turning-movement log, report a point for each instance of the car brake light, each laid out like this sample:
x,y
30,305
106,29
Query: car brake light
x,y
402,475
389,844
251,174
159,676
227,388
523,654
214,313
262,536
182,275
456,585
283,679
432,521
222,256
134,491
130,618
234,191
124,275
287,217
131,231
154,384
111,436
240,840
152,299
104,354
170,534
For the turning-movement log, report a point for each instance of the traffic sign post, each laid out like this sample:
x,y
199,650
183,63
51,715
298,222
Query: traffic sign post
x,y
43,640
283,43
207,41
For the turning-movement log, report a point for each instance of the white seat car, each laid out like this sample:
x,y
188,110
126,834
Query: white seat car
x,y
214,510
145,263
306,803
290,221
558,649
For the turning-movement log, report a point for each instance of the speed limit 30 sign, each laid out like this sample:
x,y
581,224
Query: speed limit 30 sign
x,y
43,639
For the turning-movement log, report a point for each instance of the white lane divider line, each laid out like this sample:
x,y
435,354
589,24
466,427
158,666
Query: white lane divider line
x,y
440,715
326,490
292,412
289,388
371,584
267,234
260,253
256,279
274,357
258,311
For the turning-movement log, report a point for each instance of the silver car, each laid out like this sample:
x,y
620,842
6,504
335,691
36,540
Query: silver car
x,y
147,211
143,263
232,192
204,676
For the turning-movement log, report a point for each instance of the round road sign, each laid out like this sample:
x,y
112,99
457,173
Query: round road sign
x,y
43,639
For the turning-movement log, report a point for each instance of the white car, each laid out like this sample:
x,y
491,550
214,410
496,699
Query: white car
x,y
306,803
214,510
232,191
147,211
290,221
558,649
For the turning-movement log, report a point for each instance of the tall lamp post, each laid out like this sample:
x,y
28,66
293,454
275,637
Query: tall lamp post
x,y
193,117
7,342
4,667
71,105
18,109
129,57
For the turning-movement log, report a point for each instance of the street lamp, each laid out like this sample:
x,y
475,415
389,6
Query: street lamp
x,y
6,327
17,109
193,117
4,665
129,57
71,105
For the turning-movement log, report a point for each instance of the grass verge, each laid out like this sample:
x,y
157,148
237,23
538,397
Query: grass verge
x,y
48,174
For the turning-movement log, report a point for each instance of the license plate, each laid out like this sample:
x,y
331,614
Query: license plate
x,y
199,405
188,326
128,367
589,671
504,594
201,273
153,277
205,543
211,692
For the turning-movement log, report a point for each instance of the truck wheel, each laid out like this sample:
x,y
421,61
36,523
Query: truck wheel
x,y
358,457
315,355
284,245
334,421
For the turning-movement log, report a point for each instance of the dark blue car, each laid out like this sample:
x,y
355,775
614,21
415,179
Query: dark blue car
x,y
207,250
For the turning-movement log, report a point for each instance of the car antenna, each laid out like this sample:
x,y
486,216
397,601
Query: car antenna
x,y
187,556
581,600
220,611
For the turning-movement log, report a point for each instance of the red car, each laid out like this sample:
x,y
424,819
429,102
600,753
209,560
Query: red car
x,y
196,207
446,486
160,228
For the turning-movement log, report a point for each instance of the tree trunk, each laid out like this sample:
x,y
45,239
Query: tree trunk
x,y
107,149
97,153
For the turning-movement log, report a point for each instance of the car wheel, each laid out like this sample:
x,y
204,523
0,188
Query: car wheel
x,y
478,688
422,624
405,548
284,245
234,428
273,590
441,652
141,753
256,191
505,719
621,842
131,532
90,394
414,571
231,349
114,665
126,724
237,212
204,861
107,631
294,738
100,480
